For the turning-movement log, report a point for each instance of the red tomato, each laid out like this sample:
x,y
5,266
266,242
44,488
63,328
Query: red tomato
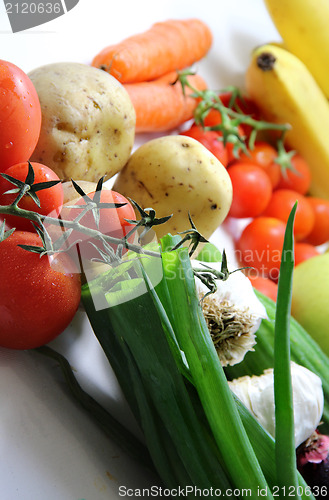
x,y
38,299
112,221
264,155
20,116
210,139
260,245
265,286
252,190
304,251
320,231
298,179
281,204
51,199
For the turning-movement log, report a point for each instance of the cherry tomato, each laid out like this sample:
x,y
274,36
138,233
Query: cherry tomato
x,y
265,286
264,155
38,297
281,204
304,251
51,199
260,245
298,179
210,139
252,190
320,231
20,116
111,221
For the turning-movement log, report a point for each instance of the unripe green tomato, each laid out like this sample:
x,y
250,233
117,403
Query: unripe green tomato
x,y
310,297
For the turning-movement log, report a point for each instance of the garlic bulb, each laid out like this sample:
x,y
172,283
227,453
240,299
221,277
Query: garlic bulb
x,y
257,394
233,314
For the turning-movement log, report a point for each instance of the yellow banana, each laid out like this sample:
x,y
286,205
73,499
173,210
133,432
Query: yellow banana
x,y
303,25
285,91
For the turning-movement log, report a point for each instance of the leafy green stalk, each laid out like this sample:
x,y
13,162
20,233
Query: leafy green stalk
x,y
137,327
284,412
208,376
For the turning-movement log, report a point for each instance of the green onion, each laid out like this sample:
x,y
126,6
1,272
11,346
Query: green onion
x,y
208,375
138,329
284,413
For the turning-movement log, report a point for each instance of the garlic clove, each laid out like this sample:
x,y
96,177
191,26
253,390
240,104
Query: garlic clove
x,y
257,394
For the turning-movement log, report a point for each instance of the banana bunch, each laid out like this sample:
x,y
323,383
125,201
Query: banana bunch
x,y
303,26
286,91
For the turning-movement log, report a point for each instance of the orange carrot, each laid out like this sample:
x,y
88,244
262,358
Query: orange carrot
x,y
167,46
160,104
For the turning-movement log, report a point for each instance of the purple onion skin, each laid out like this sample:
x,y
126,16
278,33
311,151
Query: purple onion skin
x,y
313,463
316,474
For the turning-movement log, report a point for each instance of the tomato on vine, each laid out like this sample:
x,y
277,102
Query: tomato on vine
x,y
39,296
264,155
20,116
211,140
50,199
112,221
298,177
304,251
252,190
240,103
260,245
320,232
281,204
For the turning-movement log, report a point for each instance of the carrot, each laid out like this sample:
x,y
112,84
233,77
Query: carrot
x,y
160,104
167,46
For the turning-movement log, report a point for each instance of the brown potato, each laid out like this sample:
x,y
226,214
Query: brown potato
x,y
88,121
178,175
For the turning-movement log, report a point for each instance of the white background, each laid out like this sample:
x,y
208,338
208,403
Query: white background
x,y
49,448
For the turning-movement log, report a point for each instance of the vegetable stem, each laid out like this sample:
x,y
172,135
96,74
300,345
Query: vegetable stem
x,y
284,414
209,379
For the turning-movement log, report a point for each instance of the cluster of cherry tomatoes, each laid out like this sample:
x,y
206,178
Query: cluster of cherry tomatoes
x,y
263,195
39,296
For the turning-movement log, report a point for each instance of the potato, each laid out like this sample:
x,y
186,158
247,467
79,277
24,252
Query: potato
x,y
88,121
176,175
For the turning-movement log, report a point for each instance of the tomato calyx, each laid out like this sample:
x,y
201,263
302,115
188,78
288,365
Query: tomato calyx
x,y
147,220
193,236
93,204
28,187
284,159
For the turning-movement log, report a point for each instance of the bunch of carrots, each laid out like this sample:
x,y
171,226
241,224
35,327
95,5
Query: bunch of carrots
x,y
147,64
